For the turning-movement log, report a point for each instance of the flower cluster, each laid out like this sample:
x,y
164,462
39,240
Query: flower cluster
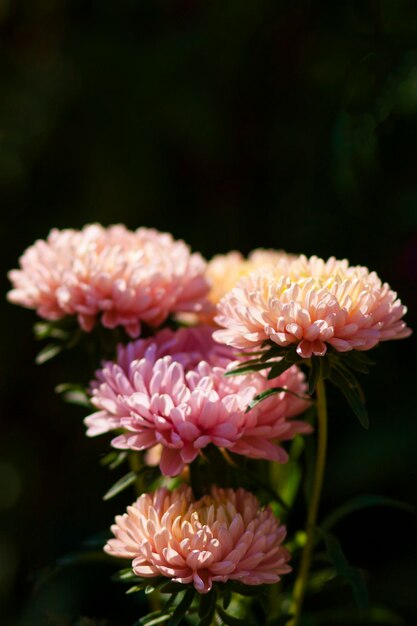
x,y
174,393
171,389
223,536
312,304
124,277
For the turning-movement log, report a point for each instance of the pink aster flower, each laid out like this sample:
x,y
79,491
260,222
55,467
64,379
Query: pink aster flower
x,y
121,276
223,536
312,304
171,390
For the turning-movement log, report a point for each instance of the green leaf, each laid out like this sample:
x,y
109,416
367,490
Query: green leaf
x,y
291,355
73,394
349,386
120,485
47,353
207,607
270,392
363,502
156,617
357,361
44,330
135,589
229,620
245,369
182,607
171,588
227,597
114,459
278,368
344,570
127,576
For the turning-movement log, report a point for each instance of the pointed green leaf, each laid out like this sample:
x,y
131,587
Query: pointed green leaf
x,y
171,587
47,353
278,368
128,576
120,485
245,369
352,393
344,570
272,391
135,589
156,617
291,355
227,597
182,607
207,607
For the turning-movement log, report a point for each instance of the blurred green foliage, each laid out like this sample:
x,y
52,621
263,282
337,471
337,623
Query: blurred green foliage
x,y
233,125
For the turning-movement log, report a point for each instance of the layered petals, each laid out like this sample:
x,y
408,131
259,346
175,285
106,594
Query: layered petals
x,y
171,391
125,278
223,536
312,304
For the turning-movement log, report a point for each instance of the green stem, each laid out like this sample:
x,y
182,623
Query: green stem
x,y
136,464
302,578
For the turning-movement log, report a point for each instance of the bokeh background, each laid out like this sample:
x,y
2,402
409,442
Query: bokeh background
x,y
233,125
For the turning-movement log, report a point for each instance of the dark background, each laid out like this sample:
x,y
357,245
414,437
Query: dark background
x,y
233,125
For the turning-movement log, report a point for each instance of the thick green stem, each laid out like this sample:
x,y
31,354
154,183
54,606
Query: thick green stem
x,y
302,578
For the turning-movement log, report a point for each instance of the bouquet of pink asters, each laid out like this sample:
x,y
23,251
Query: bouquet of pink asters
x,y
211,378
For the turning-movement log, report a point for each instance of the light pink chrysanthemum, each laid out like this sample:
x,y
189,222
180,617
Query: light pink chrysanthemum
x,y
225,270
123,276
223,536
171,390
311,303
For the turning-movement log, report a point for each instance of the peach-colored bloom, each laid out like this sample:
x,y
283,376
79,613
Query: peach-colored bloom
x,y
223,536
313,304
225,270
122,276
171,390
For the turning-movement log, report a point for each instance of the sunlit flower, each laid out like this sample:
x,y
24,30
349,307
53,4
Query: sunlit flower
x,y
223,536
121,276
312,304
225,270
171,390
